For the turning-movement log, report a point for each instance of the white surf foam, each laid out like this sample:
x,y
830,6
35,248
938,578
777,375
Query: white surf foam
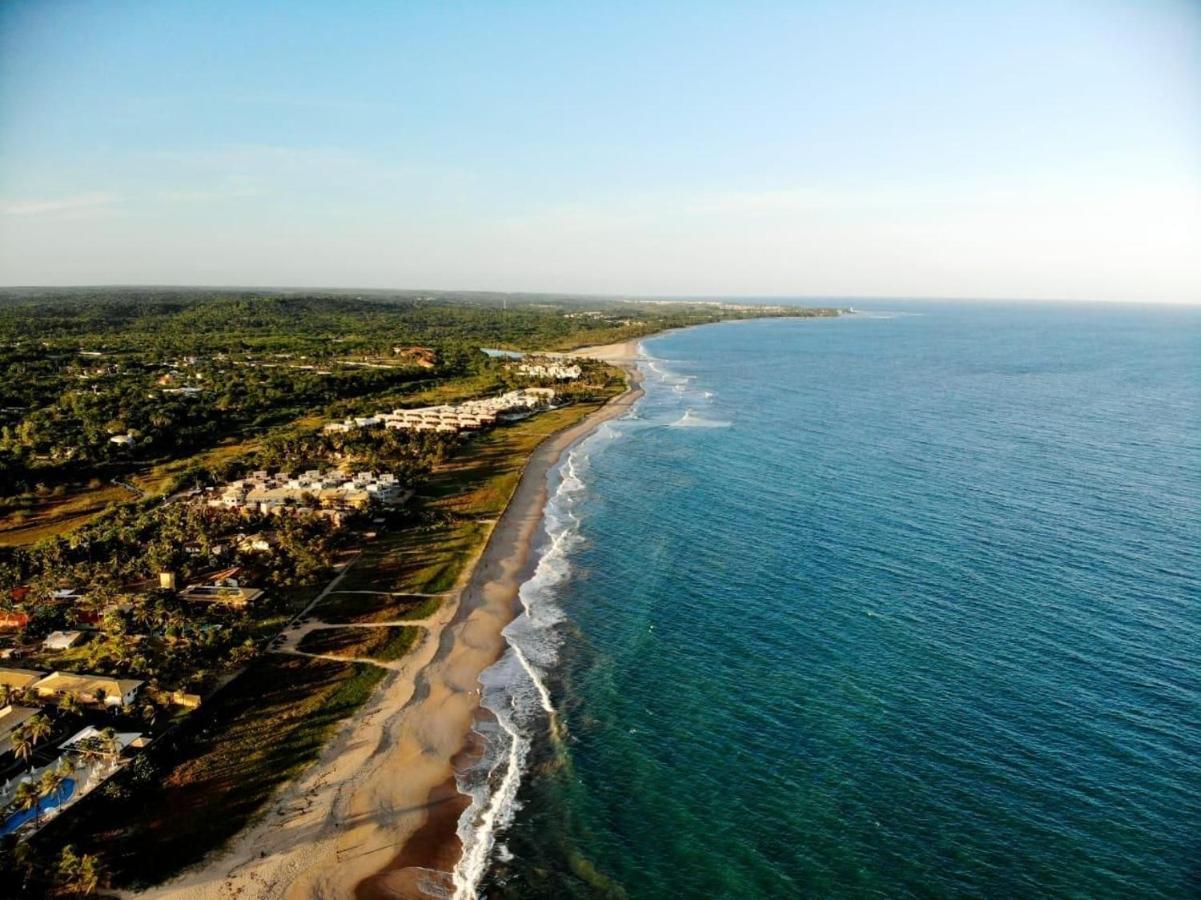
x,y
514,689
691,420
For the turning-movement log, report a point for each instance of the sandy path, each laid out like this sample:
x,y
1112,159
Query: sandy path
x,y
375,815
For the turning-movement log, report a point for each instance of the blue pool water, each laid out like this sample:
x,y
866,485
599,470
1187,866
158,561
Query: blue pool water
x,y
897,605
45,805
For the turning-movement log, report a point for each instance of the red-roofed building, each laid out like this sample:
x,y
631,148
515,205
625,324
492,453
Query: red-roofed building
x,y
13,620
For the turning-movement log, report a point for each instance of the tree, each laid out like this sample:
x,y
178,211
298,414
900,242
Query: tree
x,y
39,727
78,874
68,705
109,743
22,743
50,783
29,797
65,768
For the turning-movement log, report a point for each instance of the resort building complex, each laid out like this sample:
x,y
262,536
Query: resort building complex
x,y
452,418
334,491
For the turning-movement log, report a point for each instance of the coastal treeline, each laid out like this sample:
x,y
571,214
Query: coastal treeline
x,y
94,381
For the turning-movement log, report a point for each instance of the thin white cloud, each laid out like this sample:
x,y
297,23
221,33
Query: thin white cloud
x,y
59,205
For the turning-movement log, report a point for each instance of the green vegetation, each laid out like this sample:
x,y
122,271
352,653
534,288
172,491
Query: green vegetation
x,y
204,387
383,643
423,559
351,609
256,735
172,372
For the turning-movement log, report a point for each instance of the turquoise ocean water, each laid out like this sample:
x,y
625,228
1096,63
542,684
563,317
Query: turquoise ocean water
x,y
904,604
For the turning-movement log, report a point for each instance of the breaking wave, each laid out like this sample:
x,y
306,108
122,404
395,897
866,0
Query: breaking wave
x,y
514,690
691,420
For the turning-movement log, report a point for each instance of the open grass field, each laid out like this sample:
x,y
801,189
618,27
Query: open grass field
x,y
351,609
385,643
479,479
41,518
418,560
259,733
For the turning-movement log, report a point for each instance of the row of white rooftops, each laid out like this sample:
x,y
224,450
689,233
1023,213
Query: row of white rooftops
x,y
452,417
556,370
265,490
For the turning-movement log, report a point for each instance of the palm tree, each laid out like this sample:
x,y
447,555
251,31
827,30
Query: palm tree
x,y
109,743
87,878
22,743
50,783
65,768
68,704
77,874
39,727
27,859
7,691
27,797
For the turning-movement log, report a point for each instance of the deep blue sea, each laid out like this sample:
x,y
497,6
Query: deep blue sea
x,y
902,604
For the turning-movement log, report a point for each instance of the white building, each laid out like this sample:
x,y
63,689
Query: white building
x,y
62,640
553,370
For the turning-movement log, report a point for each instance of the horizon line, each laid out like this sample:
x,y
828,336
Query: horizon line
x,y
762,299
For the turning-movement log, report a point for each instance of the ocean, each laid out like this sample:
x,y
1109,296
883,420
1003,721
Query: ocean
x,y
901,604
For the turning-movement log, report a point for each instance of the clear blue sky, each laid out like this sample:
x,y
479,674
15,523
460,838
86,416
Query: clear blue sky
x,y
1031,148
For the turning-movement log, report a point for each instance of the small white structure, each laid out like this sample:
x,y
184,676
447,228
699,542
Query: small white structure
x,y
93,735
122,440
553,370
62,640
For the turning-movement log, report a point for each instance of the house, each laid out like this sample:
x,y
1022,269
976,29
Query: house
x,y
11,620
62,640
426,357
553,370
19,679
89,688
10,718
228,592
258,543
123,440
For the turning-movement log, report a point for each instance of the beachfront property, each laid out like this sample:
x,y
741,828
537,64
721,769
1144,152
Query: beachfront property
x,y
86,761
549,369
451,418
19,679
314,491
226,591
92,689
11,718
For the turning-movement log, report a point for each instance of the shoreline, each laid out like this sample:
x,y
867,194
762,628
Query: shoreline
x,y
376,815
487,605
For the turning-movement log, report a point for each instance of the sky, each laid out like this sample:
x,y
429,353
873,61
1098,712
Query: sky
x,y
1026,149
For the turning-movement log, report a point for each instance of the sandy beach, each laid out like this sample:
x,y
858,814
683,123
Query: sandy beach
x,y
375,816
